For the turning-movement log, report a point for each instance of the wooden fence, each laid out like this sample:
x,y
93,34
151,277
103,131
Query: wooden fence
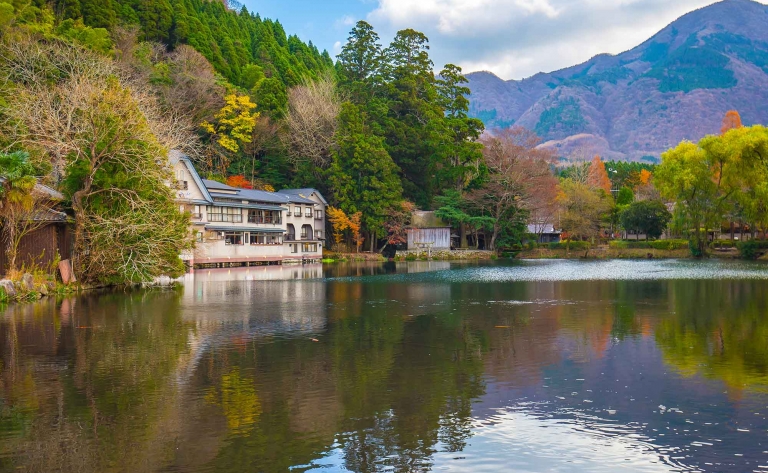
x,y
42,247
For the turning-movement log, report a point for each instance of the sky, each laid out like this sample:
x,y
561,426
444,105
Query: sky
x,y
513,39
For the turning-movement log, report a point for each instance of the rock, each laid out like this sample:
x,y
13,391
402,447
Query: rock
x,y
43,290
28,282
8,287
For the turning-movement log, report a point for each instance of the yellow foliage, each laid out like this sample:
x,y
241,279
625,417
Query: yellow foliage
x,y
645,177
341,223
235,122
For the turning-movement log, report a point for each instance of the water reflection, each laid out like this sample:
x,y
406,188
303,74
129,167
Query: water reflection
x,y
403,367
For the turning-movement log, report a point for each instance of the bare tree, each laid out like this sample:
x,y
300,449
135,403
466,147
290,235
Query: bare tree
x,y
311,121
93,122
520,176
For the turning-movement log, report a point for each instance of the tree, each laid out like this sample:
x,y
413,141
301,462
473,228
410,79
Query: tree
x,y
650,217
107,140
239,181
598,176
459,158
359,63
311,122
397,221
685,176
23,208
519,182
362,176
234,122
731,120
341,223
582,210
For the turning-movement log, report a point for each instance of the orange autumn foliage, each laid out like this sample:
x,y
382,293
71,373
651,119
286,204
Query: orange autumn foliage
x,y
645,177
239,181
598,176
731,120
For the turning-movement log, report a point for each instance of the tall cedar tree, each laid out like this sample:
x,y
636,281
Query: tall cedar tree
x,y
363,176
598,176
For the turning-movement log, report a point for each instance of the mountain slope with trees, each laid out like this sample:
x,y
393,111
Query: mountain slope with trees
x,y
675,86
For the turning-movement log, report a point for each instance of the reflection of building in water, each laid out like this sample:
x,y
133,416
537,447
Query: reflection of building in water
x,y
266,300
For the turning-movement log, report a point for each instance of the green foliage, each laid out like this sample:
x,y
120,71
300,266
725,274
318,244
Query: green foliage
x,y
575,245
625,196
564,118
693,67
363,176
668,245
755,52
650,217
655,52
752,249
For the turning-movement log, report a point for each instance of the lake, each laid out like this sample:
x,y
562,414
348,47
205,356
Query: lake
x,y
605,366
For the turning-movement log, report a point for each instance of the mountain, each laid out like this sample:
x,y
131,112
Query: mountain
x,y
673,87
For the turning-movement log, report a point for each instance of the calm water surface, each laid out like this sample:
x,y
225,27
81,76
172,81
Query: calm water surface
x,y
630,366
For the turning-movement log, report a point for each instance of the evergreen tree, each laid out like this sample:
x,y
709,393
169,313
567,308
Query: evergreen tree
x,y
363,176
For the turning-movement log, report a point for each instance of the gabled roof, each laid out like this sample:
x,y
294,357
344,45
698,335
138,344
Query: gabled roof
x,y
303,193
174,156
209,188
43,189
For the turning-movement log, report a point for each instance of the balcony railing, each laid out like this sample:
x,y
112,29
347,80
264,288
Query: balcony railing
x,y
225,218
289,237
269,220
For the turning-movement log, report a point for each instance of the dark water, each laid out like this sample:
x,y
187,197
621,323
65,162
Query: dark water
x,y
534,366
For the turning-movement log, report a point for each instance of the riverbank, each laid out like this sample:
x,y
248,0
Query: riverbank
x,y
622,253
31,287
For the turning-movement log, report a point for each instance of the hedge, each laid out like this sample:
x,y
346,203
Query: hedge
x,y
649,245
749,249
574,245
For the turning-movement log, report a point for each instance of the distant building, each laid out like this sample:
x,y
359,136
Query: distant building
x,y
428,231
545,233
244,226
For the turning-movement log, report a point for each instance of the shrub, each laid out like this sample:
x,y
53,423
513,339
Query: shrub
x,y
752,249
647,245
574,245
531,245
669,244
411,257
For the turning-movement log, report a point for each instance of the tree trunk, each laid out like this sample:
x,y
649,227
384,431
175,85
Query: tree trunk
x,y
372,236
463,236
12,249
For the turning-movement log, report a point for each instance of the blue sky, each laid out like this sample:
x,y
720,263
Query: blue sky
x,y
511,38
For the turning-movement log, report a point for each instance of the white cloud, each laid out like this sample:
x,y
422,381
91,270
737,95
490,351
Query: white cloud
x,y
336,48
518,38
345,21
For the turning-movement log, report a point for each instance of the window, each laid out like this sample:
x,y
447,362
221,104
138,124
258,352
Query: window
x,y
308,212
297,211
306,232
318,234
318,214
266,239
309,247
233,238
294,247
291,233
199,237
224,214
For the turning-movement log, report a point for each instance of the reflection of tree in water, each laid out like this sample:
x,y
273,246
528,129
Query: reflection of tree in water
x,y
720,330
99,371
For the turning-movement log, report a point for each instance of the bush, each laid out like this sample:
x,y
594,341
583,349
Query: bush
x,y
411,257
667,245
752,249
531,245
721,244
574,245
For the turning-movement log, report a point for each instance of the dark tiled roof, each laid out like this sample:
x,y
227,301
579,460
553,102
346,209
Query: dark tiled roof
x,y
254,195
303,193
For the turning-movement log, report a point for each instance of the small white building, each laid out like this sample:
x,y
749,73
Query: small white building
x,y
234,226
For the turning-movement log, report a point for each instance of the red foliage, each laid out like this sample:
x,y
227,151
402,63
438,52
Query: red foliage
x,y
731,120
239,181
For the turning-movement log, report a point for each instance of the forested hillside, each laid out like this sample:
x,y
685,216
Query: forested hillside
x,y
241,46
637,104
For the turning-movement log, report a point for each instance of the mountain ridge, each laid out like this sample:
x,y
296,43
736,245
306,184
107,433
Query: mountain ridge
x,y
676,85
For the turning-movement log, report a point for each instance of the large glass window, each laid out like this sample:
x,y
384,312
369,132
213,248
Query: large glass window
x,y
306,232
224,214
233,238
308,212
309,247
297,211
318,214
266,238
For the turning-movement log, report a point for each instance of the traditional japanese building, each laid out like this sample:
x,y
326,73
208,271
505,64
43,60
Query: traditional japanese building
x,y
235,227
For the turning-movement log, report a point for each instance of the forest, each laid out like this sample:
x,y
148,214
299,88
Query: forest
x,y
95,94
